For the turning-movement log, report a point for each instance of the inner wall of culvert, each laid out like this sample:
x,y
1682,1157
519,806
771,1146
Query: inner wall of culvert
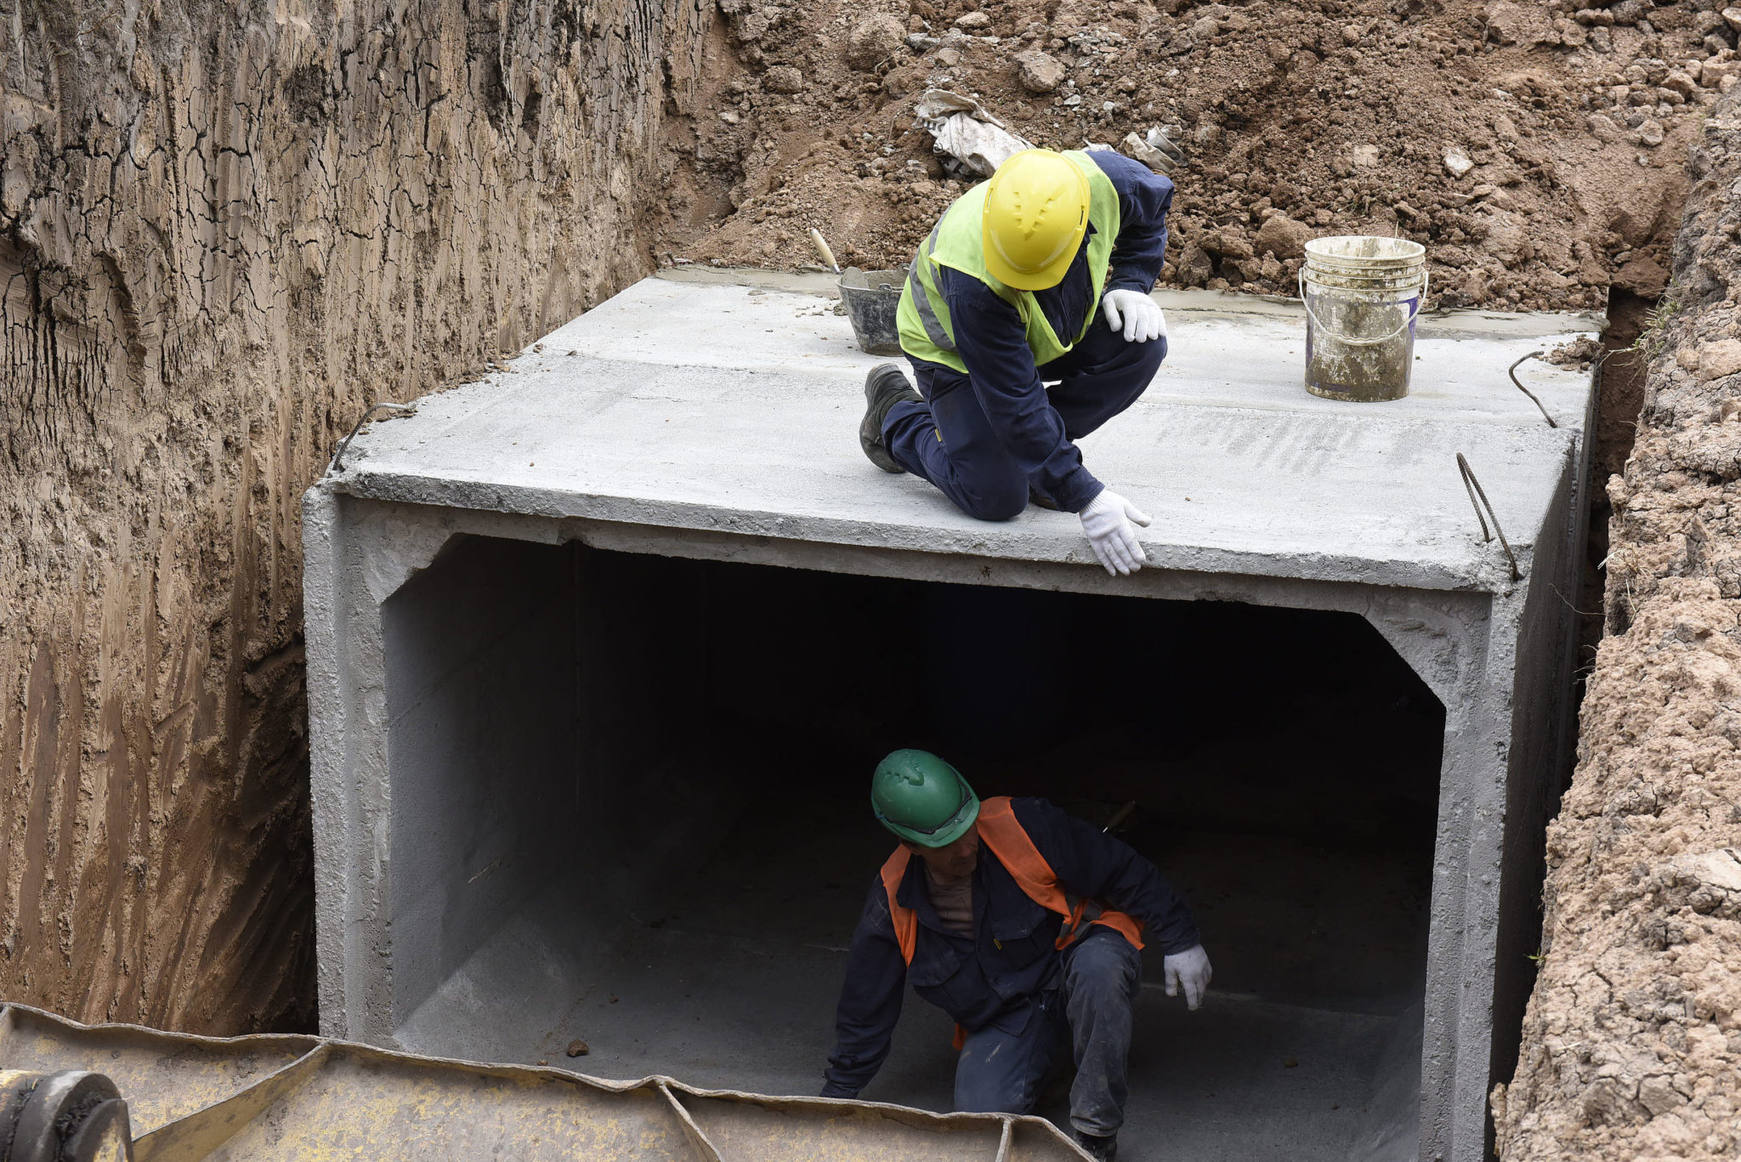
x,y
629,808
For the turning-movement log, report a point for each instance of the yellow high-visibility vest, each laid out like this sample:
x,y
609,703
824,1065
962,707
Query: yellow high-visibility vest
x,y
923,317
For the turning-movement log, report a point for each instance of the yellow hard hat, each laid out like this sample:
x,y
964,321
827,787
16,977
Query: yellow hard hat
x,y
1036,211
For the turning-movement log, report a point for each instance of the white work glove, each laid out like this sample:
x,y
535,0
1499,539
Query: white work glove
x,y
1189,968
1107,520
1135,313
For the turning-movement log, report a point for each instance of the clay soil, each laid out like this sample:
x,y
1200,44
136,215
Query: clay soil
x,y
224,231
1537,151
1632,1042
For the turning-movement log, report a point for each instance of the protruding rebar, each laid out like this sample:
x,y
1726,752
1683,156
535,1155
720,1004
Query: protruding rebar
x,y
338,464
1473,486
1512,371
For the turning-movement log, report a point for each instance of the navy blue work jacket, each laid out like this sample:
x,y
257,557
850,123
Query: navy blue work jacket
x,y
995,975
992,340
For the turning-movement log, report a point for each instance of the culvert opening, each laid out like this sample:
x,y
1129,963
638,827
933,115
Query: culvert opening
x,y
628,807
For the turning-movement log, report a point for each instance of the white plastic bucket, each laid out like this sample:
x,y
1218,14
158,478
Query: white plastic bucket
x,y
1362,294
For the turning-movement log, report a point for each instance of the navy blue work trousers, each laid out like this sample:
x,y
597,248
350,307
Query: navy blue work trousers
x,y
949,440
1088,1017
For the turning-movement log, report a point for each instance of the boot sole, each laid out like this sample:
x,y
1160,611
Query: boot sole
x,y
870,431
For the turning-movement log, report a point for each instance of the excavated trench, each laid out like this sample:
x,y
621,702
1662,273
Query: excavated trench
x,y
662,765
604,648
152,668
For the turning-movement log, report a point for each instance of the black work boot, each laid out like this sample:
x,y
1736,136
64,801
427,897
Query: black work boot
x,y
884,387
1105,1149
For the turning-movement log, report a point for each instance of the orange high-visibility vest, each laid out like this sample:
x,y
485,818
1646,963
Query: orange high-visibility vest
x,y
1000,830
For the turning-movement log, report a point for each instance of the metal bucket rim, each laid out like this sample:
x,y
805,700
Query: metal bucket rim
x,y
854,279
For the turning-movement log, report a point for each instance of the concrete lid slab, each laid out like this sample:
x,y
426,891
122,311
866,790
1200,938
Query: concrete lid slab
x,y
705,403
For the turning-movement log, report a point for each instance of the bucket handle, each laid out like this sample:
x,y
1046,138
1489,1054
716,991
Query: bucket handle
x,y
1385,338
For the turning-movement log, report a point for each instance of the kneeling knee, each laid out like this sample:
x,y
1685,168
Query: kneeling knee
x,y
993,1095
1003,503
1104,964
1150,355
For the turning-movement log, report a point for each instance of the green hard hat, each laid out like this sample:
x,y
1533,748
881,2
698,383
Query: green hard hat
x,y
922,799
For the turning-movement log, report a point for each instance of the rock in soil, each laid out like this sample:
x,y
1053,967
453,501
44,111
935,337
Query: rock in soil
x,y
874,40
1719,359
1038,72
1283,237
783,79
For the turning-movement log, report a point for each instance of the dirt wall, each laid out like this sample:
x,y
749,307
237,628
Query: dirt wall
x,y
224,229
1632,1041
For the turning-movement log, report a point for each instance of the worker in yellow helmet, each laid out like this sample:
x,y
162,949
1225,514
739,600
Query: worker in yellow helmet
x,y
1041,274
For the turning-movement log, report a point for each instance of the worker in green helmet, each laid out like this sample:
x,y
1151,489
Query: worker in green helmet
x,y
1026,926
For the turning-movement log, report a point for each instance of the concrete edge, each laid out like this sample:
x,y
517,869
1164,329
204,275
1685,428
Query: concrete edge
x,y
1458,321
1067,549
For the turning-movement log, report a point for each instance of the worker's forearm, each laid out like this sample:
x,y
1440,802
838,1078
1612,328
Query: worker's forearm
x,y
845,1077
1133,276
859,1051
1032,432
1136,886
1010,392
870,1001
1144,198
1098,865
1137,259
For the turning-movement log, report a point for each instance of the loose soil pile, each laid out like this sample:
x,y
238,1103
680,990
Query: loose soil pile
x,y
1632,1042
1536,149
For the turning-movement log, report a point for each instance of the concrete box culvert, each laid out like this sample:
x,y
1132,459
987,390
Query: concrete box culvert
x,y
573,627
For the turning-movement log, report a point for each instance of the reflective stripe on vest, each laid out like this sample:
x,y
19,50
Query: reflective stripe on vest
x,y
921,300
923,317
1000,830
